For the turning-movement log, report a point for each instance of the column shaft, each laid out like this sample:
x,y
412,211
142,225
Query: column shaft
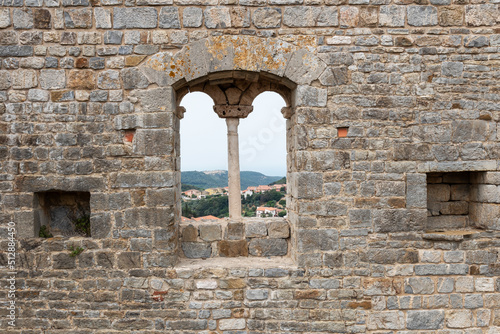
x,y
233,156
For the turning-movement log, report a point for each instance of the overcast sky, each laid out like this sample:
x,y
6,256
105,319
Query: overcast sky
x,y
262,136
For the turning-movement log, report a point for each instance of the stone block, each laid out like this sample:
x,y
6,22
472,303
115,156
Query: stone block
x,y
133,79
52,79
112,37
428,320
166,238
63,261
459,318
315,240
278,229
24,79
137,17
301,16
447,222
5,20
142,180
438,192
266,18
268,247
197,250
257,294
233,248
155,100
255,229
240,17
308,185
386,320
451,16
192,17
153,142
420,16
189,234
392,16
78,18
22,18
310,96
217,18
210,232
481,15
169,18
348,16
235,231
100,225
232,324
452,69
102,18
303,68
419,286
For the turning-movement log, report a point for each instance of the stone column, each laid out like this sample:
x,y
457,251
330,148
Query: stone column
x,y
233,157
232,114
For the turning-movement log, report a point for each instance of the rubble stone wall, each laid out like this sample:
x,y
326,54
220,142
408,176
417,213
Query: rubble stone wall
x,y
89,103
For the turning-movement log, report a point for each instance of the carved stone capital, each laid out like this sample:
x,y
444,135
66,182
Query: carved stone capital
x,y
287,112
232,110
179,112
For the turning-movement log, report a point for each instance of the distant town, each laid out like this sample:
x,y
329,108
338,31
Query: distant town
x,y
211,203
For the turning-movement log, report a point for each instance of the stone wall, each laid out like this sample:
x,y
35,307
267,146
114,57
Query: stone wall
x,y
253,237
89,103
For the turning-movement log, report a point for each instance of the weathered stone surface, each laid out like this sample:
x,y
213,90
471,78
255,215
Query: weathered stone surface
x,y
109,79
481,15
52,79
392,16
42,19
334,76
130,18
192,17
102,18
5,20
268,247
133,79
22,18
422,16
233,248
81,79
386,320
169,18
425,319
217,17
210,232
451,16
78,18
278,229
267,18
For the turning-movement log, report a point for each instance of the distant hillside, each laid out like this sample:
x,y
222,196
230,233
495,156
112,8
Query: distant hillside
x,y
214,179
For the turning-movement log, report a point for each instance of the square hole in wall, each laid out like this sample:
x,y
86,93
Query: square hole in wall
x,y
461,200
62,213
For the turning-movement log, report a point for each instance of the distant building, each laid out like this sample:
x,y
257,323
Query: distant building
x,y
263,211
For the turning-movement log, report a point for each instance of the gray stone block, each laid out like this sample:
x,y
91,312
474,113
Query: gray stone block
x,y
197,250
310,96
52,79
481,15
392,16
169,18
303,67
315,240
268,247
210,232
425,319
113,37
255,229
5,20
452,69
133,79
22,18
192,17
422,16
130,18
266,18
129,260
419,285
153,142
278,229
217,18
102,18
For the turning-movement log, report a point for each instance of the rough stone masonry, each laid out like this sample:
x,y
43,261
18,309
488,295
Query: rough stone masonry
x,y
392,228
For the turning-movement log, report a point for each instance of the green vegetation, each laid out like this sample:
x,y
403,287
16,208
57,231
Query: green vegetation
x,y
216,205
282,213
82,225
186,187
280,181
75,251
206,180
44,232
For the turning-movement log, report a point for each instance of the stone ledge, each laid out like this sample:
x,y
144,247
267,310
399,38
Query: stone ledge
x,y
451,235
239,262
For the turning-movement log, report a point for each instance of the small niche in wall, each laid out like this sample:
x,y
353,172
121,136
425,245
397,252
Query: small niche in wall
x,y
62,213
463,200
